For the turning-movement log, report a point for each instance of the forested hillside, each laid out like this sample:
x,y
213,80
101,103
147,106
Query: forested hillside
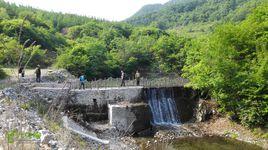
x,y
229,62
46,29
95,47
178,13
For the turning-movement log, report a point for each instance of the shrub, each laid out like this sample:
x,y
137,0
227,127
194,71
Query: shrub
x,y
2,74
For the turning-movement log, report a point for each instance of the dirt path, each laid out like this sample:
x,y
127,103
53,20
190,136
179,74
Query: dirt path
x,y
13,76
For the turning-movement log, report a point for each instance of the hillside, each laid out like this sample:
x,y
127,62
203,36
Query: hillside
x,y
148,9
178,13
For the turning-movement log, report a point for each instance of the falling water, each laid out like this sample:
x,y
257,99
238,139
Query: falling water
x,y
163,106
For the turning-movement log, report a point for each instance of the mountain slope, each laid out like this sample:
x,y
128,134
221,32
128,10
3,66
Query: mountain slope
x,y
177,13
148,9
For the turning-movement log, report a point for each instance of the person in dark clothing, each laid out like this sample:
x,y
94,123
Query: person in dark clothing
x,y
38,73
82,80
137,77
21,71
123,78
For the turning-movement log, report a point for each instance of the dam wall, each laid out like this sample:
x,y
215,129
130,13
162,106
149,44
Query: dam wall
x,y
127,108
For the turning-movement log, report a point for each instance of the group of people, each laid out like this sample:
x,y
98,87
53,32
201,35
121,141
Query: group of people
x,y
82,79
123,78
37,72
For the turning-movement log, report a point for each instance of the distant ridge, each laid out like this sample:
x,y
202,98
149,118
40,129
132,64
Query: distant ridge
x,y
177,13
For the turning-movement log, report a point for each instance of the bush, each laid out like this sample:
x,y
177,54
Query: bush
x,y
232,65
87,57
2,74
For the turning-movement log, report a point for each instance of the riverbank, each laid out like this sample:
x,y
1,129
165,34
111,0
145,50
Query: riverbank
x,y
224,127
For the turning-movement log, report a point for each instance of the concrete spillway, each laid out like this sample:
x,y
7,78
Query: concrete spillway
x,y
163,106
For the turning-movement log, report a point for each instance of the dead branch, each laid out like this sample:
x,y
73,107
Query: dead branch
x,y
30,56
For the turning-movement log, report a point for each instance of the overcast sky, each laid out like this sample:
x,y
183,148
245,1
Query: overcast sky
x,y
113,10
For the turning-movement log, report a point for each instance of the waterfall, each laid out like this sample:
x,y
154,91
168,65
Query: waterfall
x,y
163,106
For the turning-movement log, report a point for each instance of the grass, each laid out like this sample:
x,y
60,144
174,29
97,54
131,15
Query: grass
x,y
53,125
261,132
25,106
80,141
13,135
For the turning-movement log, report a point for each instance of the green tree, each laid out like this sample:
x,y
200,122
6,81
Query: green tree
x,y
169,53
86,56
3,14
230,64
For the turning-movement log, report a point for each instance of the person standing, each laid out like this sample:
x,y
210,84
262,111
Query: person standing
x,y
21,71
123,78
82,80
38,73
137,77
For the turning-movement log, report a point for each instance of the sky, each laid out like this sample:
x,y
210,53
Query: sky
x,y
113,10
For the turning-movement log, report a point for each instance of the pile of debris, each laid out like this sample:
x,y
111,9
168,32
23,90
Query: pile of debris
x,y
58,76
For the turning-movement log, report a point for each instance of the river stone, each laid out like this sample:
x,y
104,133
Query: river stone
x,y
46,136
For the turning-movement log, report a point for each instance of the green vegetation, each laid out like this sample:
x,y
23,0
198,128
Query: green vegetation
x,y
177,13
18,135
219,45
232,65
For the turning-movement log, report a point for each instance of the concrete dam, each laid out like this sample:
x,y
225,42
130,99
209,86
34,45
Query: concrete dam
x,y
129,109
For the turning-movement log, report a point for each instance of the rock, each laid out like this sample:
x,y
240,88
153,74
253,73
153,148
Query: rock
x,y
53,144
10,93
46,136
1,95
204,110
